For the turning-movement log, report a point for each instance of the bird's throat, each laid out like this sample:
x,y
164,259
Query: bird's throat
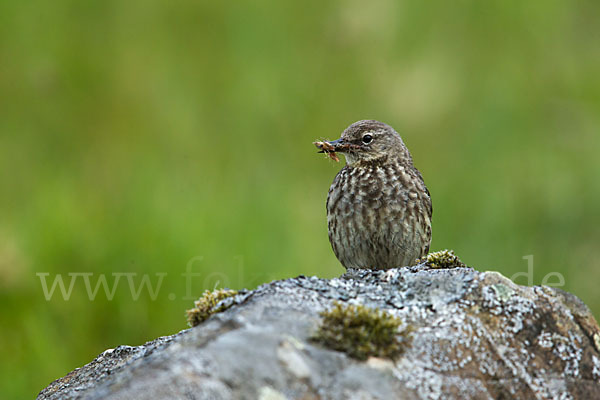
x,y
362,162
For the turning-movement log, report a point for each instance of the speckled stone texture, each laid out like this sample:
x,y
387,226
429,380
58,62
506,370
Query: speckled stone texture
x,y
477,336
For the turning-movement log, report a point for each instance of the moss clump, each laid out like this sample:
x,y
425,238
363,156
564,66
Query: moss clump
x,y
443,259
362,332
206,305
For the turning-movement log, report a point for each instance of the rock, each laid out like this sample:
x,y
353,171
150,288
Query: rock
x,y
474,335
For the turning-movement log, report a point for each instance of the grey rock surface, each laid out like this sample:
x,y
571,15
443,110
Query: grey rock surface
x,y
477,336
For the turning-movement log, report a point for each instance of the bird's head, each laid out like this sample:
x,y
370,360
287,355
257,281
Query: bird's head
x,y
367,142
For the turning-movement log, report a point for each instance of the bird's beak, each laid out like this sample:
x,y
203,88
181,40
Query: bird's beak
x,y
334,146
331,146
336,142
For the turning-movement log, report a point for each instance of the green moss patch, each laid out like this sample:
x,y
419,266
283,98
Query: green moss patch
x,y
208,305
443,259
362,332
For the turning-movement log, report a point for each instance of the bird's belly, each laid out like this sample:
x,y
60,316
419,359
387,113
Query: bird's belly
x,y
376,232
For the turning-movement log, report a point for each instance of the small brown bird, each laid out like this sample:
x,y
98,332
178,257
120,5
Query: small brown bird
x,y
378,209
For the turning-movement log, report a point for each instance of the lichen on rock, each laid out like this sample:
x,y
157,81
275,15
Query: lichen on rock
x,y
209,304
362,332
442,259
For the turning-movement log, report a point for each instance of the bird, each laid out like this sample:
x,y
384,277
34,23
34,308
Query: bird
x,y
379,210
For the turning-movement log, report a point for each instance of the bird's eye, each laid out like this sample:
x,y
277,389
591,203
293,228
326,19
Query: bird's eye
x,y
367,139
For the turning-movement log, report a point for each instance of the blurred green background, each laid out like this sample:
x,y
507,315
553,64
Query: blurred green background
x,y
143,136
